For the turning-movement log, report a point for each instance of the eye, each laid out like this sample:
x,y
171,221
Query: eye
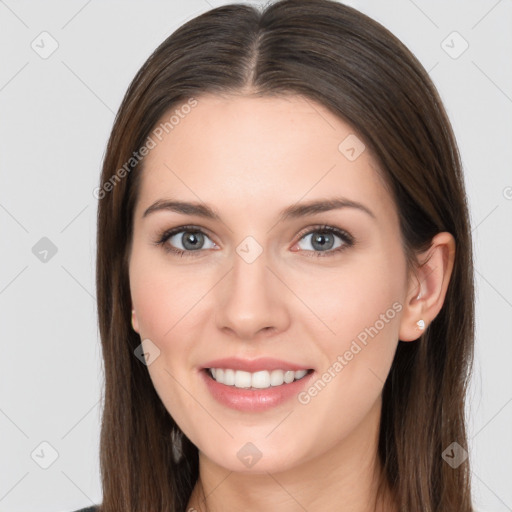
x,y
188,239
322,239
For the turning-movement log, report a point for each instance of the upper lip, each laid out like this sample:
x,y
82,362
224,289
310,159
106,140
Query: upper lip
x,y
254,365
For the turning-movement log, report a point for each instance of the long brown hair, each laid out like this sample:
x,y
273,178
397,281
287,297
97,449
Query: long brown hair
x,y
344,60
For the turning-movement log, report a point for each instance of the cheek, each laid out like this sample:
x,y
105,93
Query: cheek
x,y
362,308
358,296
161,294
164,300
170,305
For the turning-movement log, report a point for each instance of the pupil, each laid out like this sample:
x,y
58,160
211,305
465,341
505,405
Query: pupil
x,y
192,240
321,241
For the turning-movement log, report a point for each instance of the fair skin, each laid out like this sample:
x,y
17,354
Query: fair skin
x,y
249,158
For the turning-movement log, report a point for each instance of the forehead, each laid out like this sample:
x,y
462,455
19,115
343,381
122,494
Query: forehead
x,y
254,152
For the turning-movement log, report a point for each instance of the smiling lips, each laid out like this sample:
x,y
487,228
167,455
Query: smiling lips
x,y
254,385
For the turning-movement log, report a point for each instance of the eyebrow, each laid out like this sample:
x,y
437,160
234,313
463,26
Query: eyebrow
x,y
291,212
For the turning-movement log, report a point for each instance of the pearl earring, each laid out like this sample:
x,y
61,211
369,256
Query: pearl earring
x,y
421,324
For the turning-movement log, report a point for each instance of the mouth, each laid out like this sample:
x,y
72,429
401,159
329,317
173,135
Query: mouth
x,y
254,385
258,390
259,380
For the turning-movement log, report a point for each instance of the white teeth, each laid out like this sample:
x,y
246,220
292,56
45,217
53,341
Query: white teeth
x,y
242,379
229,377
260,380
276,378
289,376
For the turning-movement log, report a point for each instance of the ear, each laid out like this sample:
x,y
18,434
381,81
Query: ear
x,y
135,322
427,286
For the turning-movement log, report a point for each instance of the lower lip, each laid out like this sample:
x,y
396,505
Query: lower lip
x,y
254,400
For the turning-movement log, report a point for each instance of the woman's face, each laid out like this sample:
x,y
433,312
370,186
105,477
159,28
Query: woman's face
x,y
268,290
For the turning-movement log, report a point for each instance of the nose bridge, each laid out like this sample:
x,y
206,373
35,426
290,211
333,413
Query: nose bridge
x,y
252,298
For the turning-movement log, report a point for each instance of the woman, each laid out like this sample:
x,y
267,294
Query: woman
x,y
284,273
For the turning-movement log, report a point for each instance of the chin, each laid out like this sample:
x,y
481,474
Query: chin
x,y
256,457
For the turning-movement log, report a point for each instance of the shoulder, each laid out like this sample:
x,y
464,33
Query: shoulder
x,y
88,509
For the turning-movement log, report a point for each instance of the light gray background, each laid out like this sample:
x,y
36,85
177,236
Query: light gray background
x,y
55,118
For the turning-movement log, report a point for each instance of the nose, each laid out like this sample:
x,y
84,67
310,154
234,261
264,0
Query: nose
x,y
252,300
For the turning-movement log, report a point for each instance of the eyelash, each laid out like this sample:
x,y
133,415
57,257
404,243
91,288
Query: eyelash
x,y
348,240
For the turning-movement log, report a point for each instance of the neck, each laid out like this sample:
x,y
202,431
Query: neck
x,y
343,479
